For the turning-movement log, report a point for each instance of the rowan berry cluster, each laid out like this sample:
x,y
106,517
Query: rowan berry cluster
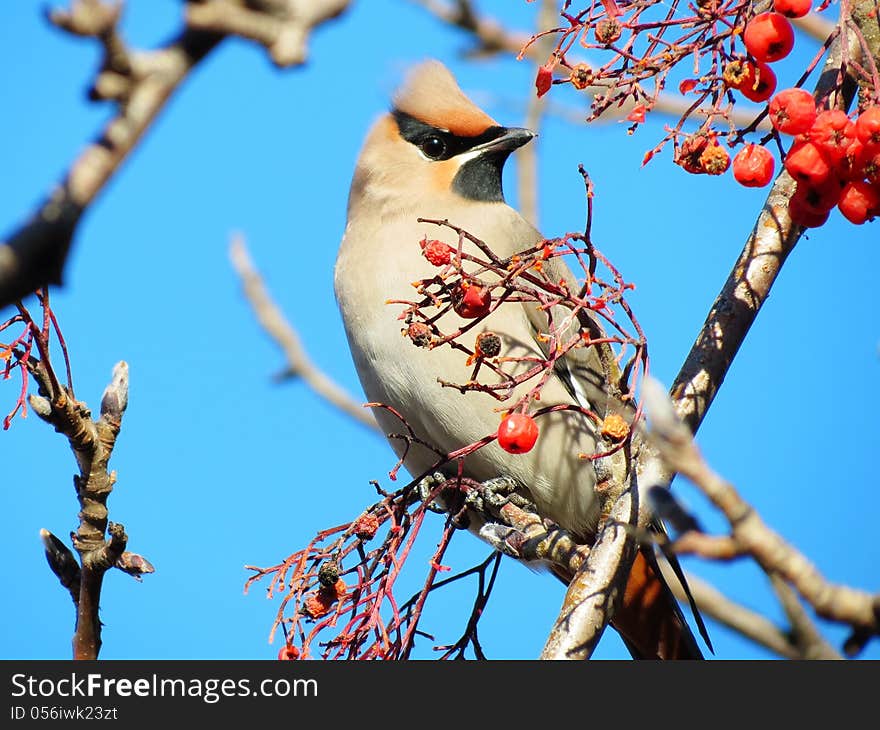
x,y
833,156
835,160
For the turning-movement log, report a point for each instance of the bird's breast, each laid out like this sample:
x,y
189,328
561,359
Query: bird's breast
x,y
379,260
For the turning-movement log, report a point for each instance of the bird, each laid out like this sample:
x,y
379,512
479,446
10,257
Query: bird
x,y
436,155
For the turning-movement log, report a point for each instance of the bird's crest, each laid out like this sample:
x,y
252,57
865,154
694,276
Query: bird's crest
x,y
431,95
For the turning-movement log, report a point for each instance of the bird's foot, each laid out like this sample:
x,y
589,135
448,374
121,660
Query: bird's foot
x,y
429,493
495,493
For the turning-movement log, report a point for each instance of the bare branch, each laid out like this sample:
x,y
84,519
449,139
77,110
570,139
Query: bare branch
x,y
276,325
92,442
35,253
597,584
675,444
816,26
139,84
804,634
282,26
716,605
492,37
527,163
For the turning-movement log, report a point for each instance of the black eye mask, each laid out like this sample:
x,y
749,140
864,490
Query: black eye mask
x,y
439,144
477,179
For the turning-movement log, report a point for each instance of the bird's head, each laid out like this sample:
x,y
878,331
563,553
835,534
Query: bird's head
x,y
435,142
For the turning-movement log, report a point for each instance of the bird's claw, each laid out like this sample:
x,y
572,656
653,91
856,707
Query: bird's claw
x,y
428,493
494,494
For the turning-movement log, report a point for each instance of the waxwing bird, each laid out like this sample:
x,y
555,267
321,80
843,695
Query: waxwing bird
x,y
437,155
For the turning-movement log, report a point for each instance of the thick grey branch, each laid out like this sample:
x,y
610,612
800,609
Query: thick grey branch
x,y
754,273
592,594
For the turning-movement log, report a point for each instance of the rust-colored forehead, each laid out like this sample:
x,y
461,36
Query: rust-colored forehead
x,y
431,95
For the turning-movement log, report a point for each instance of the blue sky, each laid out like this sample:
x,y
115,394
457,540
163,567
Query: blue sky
x,y
220,466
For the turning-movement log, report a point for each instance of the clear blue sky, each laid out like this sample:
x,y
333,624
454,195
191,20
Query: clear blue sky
x,y
219,466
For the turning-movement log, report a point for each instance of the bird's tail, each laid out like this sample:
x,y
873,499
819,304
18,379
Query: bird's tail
x,y
648,617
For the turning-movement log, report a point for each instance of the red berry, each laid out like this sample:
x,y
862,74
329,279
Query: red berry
x,y
847,165
755,81
793,8
753,166
437,252
517,433
868,125
866,164
832,132
792,111
803,216
806,162
769,37
859,201
471,300
818,198
288,653
544,79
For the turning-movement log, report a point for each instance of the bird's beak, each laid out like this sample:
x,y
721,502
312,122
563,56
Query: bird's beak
x,y
510,139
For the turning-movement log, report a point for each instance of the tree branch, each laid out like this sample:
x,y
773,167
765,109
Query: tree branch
x,y
527,162
276,325
596,586
754,273
490,35
139,84
804,634
282,26
92,442
674,442
744,621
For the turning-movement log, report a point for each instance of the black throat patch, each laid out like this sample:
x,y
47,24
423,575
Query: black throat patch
x,y
479,178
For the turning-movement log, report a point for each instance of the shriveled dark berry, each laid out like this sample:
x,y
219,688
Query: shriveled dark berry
x,y
607,30
488,344
419,333
328,573
581,76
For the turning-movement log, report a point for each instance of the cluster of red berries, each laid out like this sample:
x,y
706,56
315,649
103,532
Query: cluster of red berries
x,y
835,160
768,37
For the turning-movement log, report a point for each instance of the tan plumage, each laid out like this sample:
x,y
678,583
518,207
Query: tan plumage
x,y
396,181
432,95
380,257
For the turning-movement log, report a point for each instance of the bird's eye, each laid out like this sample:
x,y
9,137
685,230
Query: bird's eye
x,y
433,147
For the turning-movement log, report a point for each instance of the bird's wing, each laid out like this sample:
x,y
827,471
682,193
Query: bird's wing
x,y
650,620
588,373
